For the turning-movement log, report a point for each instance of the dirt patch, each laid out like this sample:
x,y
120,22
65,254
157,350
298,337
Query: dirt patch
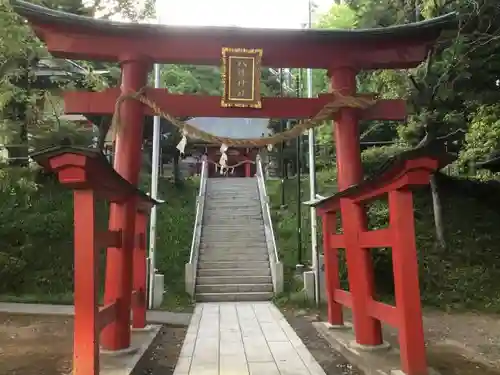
x,y
457,344
331,362
35,345
463,344
43,345
162,355
475,335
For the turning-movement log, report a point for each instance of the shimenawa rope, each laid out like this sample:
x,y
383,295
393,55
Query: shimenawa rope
x,y
325,113
188,130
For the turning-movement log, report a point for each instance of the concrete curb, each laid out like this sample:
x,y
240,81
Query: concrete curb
x,y
152,316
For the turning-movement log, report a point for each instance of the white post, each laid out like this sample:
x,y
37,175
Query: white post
x,y
155,163
312,184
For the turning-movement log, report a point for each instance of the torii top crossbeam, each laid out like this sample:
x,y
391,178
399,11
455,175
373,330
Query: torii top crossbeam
x,y
78,37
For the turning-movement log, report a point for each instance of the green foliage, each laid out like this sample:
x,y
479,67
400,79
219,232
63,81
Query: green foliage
x,y
373,157
459,277
190,79
340,16
36,237
483,136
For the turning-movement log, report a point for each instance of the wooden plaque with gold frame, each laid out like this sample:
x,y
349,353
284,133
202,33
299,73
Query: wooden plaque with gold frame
x,y
241,77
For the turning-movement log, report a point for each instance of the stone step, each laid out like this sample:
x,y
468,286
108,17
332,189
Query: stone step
x,y
243,202
233,221
234,257
236,235
234,224
225,264
234,297
242,224
229,280
218,257
250,226
233,237
232,213
234,288
236,192
234,247
243,205
235,272
232,210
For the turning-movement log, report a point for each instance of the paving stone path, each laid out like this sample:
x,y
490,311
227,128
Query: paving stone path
x,y
243,338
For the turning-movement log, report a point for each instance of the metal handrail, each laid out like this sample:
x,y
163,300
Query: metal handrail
x,y
267,211
199,212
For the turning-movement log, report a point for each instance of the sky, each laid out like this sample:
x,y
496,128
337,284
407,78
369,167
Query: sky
x,y
283,14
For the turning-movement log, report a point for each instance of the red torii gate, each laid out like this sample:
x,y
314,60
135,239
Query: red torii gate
x,y
343,53
394,181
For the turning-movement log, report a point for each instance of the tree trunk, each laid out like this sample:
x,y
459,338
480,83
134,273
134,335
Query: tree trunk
x,y
438,212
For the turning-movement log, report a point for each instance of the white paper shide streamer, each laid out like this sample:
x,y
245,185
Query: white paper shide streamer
x,y
181,146
223,160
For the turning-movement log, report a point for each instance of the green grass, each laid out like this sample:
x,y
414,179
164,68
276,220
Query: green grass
x,y
174,234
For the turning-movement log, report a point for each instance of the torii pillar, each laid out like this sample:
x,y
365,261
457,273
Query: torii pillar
x,y
127,162
368,330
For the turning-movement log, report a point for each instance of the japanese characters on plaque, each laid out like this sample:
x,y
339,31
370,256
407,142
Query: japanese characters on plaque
x,y
241,77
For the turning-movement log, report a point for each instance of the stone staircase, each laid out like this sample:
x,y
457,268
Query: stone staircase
x,y
233,263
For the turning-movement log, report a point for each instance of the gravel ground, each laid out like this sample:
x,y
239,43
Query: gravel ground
x,y
331,361
161,357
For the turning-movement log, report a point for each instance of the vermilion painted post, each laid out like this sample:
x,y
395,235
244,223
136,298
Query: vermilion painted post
x,y
139,309
405,268
247,168
127,163
331,270
86,329
367,329
350,172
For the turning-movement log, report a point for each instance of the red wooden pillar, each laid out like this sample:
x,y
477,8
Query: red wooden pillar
x,y
248,173
127,163
86,327
331,270
139,306
350,172
405,268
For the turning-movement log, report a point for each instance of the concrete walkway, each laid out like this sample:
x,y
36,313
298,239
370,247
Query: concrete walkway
x,y
243,338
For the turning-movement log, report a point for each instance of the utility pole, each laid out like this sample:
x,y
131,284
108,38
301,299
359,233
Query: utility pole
x,y
299,267
282,147
154,189
312,183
